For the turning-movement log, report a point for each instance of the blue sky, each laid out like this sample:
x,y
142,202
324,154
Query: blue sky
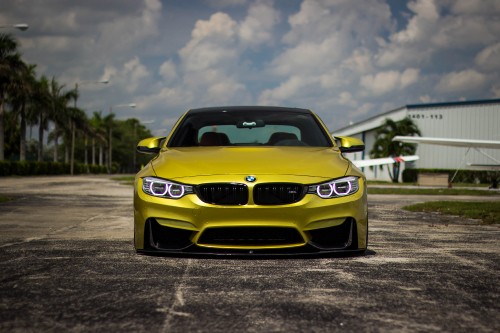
x,y
347,60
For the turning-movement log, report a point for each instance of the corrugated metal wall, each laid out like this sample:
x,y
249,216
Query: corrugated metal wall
x,y
477,121
474,120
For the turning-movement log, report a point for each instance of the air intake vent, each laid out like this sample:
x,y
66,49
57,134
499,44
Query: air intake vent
x,y
223,193
278,193
250,236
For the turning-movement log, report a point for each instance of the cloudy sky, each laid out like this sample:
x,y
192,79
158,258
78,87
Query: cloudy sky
x,y
346,60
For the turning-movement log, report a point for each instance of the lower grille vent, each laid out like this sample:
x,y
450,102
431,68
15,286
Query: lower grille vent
x,y
248,236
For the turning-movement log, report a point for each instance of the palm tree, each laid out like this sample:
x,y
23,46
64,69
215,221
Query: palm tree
x,y
99,135
10,64
109,122
384,146
60,113
87,131
78,120
21,98
44,106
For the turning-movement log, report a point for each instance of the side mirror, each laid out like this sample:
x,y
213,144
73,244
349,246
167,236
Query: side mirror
x,y
150,145
349,144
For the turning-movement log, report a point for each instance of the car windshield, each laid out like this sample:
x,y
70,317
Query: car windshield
x,y
249,128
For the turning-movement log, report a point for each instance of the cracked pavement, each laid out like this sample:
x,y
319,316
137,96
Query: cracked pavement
x,y
67,263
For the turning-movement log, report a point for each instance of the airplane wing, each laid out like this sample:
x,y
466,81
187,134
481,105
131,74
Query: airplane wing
x,y
385,160
449,142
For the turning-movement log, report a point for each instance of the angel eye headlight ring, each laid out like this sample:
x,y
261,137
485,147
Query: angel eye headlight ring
x,y
336,188
163,188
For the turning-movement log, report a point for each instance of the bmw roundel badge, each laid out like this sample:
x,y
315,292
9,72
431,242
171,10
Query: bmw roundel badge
x,y
250,179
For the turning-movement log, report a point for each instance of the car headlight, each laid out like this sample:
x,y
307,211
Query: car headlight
x,y
166,189
335,188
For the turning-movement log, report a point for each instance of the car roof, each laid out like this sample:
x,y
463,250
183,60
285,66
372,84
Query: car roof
x,y
248,108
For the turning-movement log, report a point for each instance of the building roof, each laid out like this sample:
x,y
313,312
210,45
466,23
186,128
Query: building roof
x,y
400,113
460,103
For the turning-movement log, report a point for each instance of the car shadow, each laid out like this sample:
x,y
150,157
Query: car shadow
x,y
262,256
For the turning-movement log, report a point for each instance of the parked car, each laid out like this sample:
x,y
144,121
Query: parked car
x,y
250,180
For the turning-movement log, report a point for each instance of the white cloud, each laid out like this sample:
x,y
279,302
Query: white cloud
x,y
210,62
258,26
329,47
426,15
496,90
439,29
489,58
387,81
286,90
168,71
310,58
458,32
317,19
360,61
468,7
135,73
226,3
463,81
219,27
212,44
410,45
346,98
167,97
109,72
345,59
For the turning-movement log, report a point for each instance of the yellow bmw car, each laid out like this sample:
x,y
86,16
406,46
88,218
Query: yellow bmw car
x,y
250,180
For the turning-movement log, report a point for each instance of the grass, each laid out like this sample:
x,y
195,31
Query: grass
x,y
388,184
4,199
430,191
487,212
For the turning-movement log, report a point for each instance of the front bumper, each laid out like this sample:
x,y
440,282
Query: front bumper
x,y
189,225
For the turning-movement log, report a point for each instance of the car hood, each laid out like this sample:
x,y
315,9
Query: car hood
x,y
179,163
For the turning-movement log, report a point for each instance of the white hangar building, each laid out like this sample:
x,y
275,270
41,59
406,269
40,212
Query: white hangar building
x,y
475,120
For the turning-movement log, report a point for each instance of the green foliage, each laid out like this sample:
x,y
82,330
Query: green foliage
x,y
384,146
430,191
126,135
27,100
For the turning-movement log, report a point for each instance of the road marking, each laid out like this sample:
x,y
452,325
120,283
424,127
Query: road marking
x,y
178,300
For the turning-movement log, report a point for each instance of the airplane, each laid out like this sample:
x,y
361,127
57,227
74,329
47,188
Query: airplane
x,y
449,142
384,160
466,143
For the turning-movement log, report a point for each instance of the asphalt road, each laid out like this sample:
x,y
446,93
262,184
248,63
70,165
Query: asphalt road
x,y
67,264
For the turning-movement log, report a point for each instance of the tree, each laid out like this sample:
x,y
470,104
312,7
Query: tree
x,y
43,102
21,97
126,134
10,64
79,121
109,123
384,146
61,115
98,135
